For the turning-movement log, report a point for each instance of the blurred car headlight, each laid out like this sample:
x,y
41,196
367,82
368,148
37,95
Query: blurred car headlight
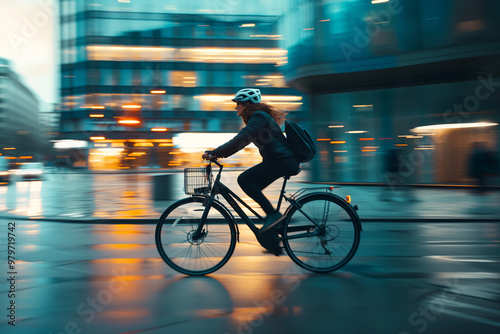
x,y
4,173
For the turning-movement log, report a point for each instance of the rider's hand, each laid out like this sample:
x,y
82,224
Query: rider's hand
x,y
207,156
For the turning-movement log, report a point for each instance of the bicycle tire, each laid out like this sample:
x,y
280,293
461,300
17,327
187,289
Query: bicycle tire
x,y
340,238
173,236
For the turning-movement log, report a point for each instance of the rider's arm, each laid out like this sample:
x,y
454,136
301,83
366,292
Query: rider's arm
x,y
247,135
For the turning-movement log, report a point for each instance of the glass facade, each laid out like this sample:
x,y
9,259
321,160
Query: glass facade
x,y
356,131
20,135
359,35
130,66
419,77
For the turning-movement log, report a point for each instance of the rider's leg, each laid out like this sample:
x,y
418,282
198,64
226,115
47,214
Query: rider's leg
x,y
254,180
257,178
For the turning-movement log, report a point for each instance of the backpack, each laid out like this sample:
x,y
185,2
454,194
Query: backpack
x,y
301,143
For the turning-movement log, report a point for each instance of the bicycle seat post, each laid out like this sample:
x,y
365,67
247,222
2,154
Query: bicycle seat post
x,y
282,193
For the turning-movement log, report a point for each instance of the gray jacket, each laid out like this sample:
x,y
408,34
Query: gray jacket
x,y
265,133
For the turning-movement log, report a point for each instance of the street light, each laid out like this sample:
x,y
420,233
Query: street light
x,y
131,106
158,91
129,121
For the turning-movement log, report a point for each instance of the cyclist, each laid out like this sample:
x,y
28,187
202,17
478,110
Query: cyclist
x,y
262,127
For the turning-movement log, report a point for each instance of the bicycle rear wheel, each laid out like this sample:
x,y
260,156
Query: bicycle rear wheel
x,y
328,247
189,255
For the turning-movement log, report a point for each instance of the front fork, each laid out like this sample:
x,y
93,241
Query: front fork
x,y
200,232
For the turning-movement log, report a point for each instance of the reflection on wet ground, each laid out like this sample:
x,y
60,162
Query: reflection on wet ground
x,y
404,277
123,196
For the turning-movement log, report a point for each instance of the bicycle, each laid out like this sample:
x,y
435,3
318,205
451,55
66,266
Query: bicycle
x,y
320,231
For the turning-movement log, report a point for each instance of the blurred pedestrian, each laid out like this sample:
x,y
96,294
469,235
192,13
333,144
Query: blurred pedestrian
x,y
392,177
478,168
482,166
396,174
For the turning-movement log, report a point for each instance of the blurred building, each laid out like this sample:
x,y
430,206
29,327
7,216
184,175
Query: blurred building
x,y
135,74
49,120
19,124
423,76
49,127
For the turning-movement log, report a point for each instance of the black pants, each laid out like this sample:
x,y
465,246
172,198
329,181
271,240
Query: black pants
x,y
257,178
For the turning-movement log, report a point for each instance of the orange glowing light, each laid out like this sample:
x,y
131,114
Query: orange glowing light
x,y
129,121
97,138
159,129
366,138
338,142
9,148
323,139
97,107
26,157
158,91
131,106
96,115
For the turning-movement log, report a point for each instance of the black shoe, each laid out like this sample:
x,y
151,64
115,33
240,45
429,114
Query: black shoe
x,y
270,220
269,242
276,252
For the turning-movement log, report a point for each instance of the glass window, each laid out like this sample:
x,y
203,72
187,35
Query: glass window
x,y
137,79
80,27
180,102
106,77
151,76
69,7
126,77
182,78
117,78
94,76
221,78
82,53
80,78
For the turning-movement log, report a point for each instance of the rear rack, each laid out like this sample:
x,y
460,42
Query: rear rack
x,y
303,190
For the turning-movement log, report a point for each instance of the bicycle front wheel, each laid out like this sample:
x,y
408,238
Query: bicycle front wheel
x,y
190,255
331,243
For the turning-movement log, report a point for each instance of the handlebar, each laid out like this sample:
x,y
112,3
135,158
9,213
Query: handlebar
x,y
214,160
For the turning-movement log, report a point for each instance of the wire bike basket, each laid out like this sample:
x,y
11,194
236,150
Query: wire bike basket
x,y
198,181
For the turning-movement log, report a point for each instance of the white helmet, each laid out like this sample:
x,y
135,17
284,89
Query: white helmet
x,y
247,94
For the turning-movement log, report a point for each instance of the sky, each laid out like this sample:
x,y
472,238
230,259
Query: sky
x,y
28,38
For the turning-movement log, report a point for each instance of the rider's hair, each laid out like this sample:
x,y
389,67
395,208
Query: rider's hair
x,y
277,114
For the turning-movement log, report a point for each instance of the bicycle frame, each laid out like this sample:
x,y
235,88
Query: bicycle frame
x,y
219,188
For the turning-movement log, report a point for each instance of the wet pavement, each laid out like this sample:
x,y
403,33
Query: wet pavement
x,y
120,196
109,278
